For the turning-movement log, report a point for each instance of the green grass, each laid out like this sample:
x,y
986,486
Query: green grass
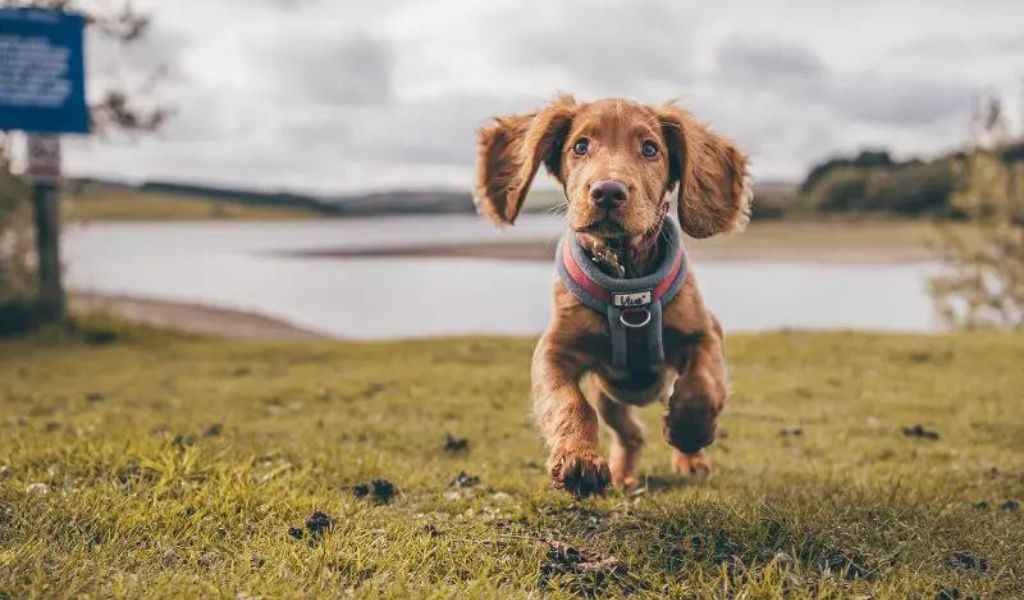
x,y
112,483
101,203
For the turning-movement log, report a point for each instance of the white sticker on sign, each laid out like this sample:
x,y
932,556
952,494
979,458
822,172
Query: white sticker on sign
x,y
44,157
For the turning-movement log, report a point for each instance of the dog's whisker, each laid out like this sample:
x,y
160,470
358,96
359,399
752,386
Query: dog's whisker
x,y
558,209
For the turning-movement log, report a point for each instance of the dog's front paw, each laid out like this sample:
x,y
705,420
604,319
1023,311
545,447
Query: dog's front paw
x,y
581,472
694,467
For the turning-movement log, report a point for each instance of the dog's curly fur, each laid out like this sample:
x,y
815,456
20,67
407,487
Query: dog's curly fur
x,y
710,175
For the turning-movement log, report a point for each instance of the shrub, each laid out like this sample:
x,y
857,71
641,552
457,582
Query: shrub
x,y
913,188
16,234
873,183
841,189
983,286
866,159
17,316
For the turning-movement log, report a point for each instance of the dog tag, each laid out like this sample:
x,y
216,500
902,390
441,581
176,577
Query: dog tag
x,y
635,299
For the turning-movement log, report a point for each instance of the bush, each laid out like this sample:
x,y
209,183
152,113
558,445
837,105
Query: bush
x,y
841,189
772,204
17,316
913,189
983,286
876,184
17,280
866,159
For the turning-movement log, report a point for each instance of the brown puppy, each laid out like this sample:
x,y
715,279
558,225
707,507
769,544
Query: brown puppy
x,y
636,155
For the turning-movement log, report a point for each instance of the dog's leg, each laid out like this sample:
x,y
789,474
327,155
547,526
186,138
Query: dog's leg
x,y
627,440
568,423
692,466
697,399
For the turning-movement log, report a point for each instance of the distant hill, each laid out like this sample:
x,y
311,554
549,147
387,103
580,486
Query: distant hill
x,y
110,201
118,197
238,196
375,203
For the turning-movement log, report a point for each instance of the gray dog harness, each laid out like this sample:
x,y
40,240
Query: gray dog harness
x,y
632,306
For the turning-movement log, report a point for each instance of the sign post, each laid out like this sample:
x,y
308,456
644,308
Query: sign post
x,y
44,169
42,92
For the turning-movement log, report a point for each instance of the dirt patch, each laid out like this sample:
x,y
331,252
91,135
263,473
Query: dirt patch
x,y
962,560
920,432
464,480
432,530
378,491
580,570
317,525
182,441
455,445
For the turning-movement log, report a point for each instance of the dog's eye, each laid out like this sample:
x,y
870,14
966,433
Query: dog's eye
x,y
581,146
649,149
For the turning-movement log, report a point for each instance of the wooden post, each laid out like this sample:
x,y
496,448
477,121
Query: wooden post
x,y
47,212
44,168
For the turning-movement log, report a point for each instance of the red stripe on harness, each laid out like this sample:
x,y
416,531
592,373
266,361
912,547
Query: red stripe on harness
x,y
581,279
663,286
599,293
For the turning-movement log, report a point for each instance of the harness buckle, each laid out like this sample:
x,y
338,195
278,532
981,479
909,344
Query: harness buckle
x,y
635,318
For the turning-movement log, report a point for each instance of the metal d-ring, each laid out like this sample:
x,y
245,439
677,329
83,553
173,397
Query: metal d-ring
x,y
622,318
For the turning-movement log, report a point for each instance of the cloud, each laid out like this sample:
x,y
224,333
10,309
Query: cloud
x,y
900,101
436,130
796,77
608,47
769,64
157,55
332,68
342,96
433,131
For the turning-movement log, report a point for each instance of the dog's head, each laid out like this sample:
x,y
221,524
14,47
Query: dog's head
x,y
616,160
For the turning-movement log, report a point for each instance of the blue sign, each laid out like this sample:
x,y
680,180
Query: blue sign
x,y
42,72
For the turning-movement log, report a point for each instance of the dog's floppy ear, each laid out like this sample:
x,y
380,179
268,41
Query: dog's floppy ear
x,y
711,172
511,151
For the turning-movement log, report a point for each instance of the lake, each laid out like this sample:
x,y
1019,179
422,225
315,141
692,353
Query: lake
x,y
238,265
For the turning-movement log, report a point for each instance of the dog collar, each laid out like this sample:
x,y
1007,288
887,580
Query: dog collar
x,y
630,305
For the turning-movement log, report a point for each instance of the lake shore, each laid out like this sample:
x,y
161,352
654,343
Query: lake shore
x,y
190,317
825,241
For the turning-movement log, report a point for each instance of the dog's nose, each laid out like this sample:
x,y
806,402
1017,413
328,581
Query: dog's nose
x,y
608,193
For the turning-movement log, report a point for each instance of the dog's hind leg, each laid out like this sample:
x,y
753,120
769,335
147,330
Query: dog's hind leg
x,y
627,440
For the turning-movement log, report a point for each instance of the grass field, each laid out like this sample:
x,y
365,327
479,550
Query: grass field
x,y
138,463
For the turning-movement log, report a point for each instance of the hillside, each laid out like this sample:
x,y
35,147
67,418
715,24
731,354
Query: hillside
x,y
108,200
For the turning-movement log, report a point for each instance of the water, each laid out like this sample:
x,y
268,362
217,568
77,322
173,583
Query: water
x,y
235,265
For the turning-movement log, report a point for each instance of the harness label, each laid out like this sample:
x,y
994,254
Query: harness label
x,y
634,299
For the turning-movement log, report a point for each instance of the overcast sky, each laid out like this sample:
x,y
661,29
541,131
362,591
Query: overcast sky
x,y
337,96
